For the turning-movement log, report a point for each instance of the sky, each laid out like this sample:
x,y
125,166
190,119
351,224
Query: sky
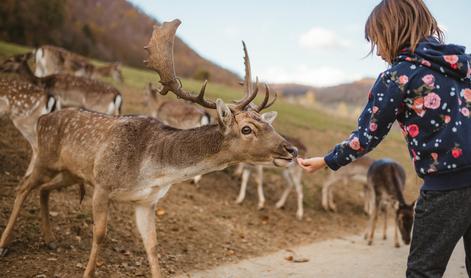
x,y
312,42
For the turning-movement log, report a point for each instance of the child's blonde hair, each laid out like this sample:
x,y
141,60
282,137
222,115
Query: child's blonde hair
x,y
396,24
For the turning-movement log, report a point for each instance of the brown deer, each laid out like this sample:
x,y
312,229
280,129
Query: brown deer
x,y
355,171
69,90
135,159
177,113
24,103
52,60
292,175
386,180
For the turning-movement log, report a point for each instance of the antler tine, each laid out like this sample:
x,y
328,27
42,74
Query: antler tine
x,y
160,49
248,71
246,101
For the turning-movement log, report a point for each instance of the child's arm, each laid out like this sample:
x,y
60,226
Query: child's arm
x,y
384,104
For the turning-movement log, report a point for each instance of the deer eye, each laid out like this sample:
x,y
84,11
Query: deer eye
x,y
246,130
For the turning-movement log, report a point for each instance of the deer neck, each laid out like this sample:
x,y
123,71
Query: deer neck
x,y
192,152
25,72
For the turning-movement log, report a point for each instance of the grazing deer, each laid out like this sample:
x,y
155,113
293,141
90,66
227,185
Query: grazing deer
x,y
24,103
355,171
386,180
135,159
178,114
53,60
69,90
292,175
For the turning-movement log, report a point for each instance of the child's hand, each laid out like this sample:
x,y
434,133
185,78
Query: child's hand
x,y
312,164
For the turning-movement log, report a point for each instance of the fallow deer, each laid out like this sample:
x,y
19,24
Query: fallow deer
x,y
355,171
177,113
24,103
53,60
135,159
386,180
69,90
292,175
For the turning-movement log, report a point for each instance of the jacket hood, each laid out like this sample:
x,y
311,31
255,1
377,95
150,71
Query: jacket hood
x,y
449,59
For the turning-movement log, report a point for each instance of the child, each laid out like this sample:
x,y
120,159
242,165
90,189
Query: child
x,y
427,90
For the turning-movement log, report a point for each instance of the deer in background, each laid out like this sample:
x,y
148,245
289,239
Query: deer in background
x,y
69,90
136,159
177,113
24,103
292,175
386,180
52,60
355,171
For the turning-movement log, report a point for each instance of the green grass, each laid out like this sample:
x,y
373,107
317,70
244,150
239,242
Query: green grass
x,y
318,129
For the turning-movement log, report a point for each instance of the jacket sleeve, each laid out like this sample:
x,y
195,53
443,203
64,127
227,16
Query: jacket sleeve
x,y
384,104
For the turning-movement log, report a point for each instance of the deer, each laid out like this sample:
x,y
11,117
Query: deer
x,y
69,90
52,60
355,171
24,103
177,113
136,159
292,175
386,180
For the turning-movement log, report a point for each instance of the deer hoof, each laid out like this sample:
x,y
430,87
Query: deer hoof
x,y
370,242
397,245
279,205
238,201
299,216
3,251
385,237
261,206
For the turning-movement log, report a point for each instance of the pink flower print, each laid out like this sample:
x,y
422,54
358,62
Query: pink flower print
x,y
373,127
456,152
469,71
403,79
413,130
418,106
355,144
375,109
465,111
447,119
429,80
426,63
434,156
432,101
451,59
467,94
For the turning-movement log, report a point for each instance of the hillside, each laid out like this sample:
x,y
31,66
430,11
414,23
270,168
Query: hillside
x,y
354,93
109,30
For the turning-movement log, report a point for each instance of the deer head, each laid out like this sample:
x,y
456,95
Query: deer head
x,y
250,135
405,218
16,64
116,73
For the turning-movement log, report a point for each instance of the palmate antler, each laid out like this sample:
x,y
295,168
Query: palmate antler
x,y
161,59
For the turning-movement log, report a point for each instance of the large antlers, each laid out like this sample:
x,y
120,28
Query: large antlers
x,y
160,49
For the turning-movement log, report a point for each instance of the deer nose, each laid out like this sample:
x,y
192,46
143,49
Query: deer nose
x,y
292,150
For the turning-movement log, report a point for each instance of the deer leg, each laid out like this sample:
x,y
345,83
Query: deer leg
x,y
243,186
372,224
145,221
299,190
23,191
289,186
239,170
57,182
100,204
385,227
396,236
326,191
261,196
330,195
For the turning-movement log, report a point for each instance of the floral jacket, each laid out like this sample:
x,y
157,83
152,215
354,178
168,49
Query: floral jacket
x,y
428,92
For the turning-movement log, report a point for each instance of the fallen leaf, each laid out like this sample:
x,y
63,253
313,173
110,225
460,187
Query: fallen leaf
x,y
160,212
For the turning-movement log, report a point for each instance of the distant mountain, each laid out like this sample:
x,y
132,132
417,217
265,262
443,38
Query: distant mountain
x,y
354,93
110,30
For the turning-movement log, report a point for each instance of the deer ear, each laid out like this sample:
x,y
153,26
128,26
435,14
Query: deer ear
x,y
269,117
224,114
396,205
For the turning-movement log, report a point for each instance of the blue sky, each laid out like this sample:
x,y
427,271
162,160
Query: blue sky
x,y
310,42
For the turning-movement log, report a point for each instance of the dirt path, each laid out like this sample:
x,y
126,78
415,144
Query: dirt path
x,y
344,257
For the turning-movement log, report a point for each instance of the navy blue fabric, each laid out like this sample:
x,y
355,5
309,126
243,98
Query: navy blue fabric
x,y
428,92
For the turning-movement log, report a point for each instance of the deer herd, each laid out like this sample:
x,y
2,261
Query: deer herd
x,y
73,122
